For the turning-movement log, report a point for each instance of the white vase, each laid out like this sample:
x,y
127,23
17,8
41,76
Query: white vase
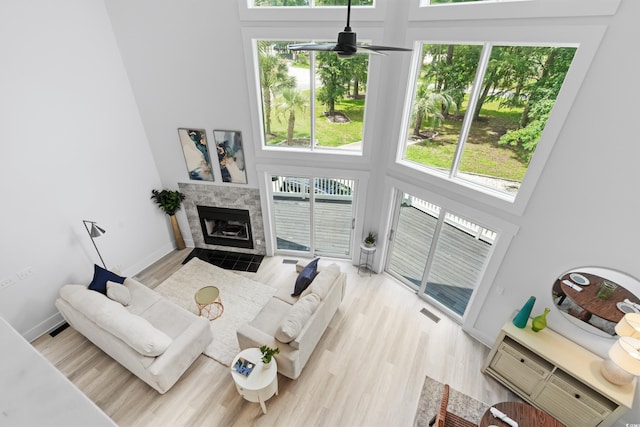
x,y
266,365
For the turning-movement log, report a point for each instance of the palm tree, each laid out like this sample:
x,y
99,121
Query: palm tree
x,y
430,105
273,78
289,101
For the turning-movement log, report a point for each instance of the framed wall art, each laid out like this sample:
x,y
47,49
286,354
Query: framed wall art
x,y
196,153
231,156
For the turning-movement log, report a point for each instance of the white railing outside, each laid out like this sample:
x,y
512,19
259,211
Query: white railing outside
x,y
475,230
300,187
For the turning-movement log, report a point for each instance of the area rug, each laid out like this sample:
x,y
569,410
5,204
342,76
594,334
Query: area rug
x,y
242,298
459,403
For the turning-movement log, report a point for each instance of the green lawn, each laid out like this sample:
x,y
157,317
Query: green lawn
x,y
328,134
482,154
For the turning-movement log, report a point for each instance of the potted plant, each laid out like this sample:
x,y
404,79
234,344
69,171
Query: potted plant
x,y
267,354
170,202
370,240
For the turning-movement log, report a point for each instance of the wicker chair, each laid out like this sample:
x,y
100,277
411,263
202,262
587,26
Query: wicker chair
x,y
445,418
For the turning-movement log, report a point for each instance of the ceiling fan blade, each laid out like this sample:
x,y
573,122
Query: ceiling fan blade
x,y
363,49
323,47
383,48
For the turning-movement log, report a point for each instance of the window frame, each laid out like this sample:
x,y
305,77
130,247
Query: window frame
x,y
252,34
510,9
586,37
320,13
505,232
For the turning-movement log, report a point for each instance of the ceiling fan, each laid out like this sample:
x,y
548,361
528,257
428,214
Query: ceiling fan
x,y
347,45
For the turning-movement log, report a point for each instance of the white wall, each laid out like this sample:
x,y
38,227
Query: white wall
x,y
186,69
72,147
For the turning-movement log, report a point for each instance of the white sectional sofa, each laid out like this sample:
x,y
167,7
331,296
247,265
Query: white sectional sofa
x,y
152,337
296,324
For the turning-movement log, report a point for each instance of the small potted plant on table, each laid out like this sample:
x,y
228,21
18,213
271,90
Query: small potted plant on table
x,y
370,240
267,354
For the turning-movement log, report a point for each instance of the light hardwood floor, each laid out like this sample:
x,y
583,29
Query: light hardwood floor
x,y
368,369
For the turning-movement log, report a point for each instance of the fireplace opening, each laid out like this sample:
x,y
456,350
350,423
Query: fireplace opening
x,y
226,227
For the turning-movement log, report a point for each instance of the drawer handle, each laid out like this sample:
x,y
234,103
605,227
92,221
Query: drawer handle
x,y
521,360
577,396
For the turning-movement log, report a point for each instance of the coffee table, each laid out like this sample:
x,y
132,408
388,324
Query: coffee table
x,y
262,383
208,302
522,413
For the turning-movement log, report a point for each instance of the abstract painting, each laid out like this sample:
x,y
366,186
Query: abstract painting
x,y
231,156
196,153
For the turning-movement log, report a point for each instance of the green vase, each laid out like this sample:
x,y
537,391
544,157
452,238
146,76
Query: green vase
x,y
540,322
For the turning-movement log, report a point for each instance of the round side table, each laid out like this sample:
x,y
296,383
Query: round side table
x,y
366,258
261,384
209,303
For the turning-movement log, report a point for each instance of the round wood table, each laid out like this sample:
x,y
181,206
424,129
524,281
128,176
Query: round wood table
x,y
522,413
588,300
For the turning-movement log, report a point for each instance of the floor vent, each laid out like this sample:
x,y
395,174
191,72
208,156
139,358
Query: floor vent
x,y
59,329
289,261
430,315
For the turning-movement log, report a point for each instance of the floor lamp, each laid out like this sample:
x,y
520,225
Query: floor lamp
x,y
94,232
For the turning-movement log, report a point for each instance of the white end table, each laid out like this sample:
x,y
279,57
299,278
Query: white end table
x,y
262,382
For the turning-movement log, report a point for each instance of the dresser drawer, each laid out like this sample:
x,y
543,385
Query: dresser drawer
x,y
522,368
573,402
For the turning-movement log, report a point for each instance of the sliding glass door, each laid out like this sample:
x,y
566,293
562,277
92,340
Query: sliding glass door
x,y
439,254
313,215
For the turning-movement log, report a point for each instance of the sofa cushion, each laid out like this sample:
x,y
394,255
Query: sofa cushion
x,y
118,293
268,320
306,277
111,316
101,277
322,284
297,318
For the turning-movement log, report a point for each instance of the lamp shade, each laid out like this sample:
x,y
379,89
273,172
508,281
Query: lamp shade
x,y
96,231
626,354
629,326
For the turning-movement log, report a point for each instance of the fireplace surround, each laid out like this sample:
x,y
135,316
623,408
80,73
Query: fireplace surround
x,y
226,197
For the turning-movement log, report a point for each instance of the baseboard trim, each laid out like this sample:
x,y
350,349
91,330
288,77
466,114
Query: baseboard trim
x,y
49,324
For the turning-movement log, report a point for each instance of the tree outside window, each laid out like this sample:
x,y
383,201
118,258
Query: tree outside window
x,y
485,135
311,100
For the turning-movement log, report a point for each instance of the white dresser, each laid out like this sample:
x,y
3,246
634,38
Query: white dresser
x,y
557,376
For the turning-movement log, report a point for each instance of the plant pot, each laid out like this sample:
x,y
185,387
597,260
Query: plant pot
x,y
266,365
177,233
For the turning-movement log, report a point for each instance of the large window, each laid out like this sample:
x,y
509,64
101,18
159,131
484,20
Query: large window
x,y
309,3
311,100
479,110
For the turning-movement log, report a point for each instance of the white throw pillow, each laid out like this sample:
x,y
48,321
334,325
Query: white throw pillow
x,y
297,317
119,293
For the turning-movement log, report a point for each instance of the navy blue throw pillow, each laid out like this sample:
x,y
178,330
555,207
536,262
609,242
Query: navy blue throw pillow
x,y
101,277
305,277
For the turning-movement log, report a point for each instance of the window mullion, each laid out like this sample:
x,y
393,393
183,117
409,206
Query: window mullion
x,y
312,99
476,89
432,248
